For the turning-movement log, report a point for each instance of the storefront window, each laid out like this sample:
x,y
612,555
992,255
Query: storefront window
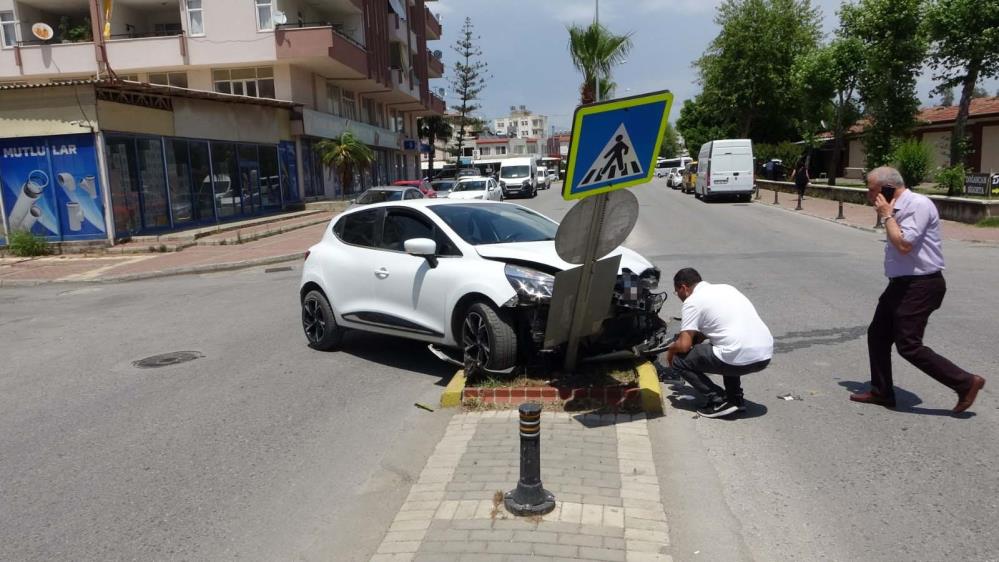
x,y
270,179
179,177
153,184
249,176
201,171
122,175
225,172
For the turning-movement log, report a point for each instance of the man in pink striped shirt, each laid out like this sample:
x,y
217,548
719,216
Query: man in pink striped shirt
x,y
914,266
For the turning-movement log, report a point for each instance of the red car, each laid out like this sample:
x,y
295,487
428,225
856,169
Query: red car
x,y
422,185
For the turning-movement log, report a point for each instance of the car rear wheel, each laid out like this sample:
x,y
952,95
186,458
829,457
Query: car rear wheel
x,y
488,340
319,322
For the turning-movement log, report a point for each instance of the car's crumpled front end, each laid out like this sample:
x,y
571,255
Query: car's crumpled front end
x,y
633,325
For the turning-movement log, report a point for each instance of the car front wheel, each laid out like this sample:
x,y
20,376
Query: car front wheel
x,y
319,323
488,340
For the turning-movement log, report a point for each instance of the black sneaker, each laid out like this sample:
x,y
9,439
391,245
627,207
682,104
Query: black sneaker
x,y
718,410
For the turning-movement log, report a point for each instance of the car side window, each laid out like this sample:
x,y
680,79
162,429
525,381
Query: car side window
x,y
401,226
358,228
410,194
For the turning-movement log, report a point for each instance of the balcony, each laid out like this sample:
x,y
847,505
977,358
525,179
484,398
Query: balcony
x,y
397,29
147,51
55,59
435,66
321,48
437,105
405,87
434,29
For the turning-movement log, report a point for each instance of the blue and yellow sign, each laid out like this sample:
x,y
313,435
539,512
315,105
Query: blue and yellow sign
x,y
615,143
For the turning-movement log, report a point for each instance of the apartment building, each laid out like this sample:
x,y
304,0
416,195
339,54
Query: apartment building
x,y
522,124
191,81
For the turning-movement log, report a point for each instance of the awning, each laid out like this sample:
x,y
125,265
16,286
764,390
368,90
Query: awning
x,y
398,8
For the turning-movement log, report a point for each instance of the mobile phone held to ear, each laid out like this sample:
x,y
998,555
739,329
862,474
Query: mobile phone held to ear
x,y
888,192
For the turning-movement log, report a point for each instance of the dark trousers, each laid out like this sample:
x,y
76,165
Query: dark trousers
x,y
903,311
695,365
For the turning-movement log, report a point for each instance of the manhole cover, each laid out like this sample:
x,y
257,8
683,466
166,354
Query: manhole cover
x,y
167,359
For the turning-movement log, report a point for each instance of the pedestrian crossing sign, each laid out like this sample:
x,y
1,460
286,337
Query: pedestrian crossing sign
x,y
615,144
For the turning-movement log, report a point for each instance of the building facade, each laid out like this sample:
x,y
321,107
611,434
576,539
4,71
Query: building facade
x,y
522,124
329,67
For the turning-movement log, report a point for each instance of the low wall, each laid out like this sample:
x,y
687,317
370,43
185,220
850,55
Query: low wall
x,y
960,209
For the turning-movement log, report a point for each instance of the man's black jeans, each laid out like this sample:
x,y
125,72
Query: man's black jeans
x,y
701,360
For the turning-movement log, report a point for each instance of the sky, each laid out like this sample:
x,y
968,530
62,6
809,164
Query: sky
x,y
525,44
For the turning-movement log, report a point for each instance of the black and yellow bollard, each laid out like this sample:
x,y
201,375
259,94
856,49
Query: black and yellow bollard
x,y
530,497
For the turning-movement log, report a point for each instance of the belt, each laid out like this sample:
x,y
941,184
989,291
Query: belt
x,y
905,278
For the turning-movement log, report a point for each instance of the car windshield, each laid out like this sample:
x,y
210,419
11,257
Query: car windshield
x,y
514,172
470,186
496,223
379,196
442,185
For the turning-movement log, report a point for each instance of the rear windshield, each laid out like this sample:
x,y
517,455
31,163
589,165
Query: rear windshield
x,y
496,223
514,172
470,186
443,185
372,196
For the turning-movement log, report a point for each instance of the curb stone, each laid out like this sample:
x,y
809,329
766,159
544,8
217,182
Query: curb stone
x,y
207,268
451,397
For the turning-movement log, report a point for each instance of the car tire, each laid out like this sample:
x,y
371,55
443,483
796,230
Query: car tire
x,y
488,340
319,323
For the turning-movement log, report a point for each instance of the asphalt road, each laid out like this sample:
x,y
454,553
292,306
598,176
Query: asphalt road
x,y
822,478
261,450
266,450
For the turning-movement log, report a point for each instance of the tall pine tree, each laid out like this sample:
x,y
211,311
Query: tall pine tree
x,y
468,81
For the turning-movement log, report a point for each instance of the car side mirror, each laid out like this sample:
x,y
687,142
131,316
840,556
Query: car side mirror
x,y
422,248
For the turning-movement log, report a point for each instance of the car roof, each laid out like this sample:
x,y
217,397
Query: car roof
x,y
390,188
423,203
473,178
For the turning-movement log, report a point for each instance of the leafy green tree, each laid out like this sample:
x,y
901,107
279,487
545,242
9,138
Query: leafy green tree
x,y
671,147
595,51
433,128
963,35
894,47
700,123
948,98
746,69
469,79
347,155
912,159
826,80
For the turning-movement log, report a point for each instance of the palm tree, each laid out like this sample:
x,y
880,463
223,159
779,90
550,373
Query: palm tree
x,y
595,51
346,154
433,128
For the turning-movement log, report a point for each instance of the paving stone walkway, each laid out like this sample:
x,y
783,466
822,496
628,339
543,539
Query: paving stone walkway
x,y
599,467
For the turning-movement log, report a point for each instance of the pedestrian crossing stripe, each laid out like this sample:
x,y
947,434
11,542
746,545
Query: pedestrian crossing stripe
x,y
598,162
618,160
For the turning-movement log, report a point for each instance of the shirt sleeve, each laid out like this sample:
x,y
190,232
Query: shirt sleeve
x,y
690,318
915,225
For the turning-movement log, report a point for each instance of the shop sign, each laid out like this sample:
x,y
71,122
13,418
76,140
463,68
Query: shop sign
x,y
976,184
50,186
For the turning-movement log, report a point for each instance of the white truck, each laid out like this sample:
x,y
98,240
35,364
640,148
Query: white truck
x,y
725,169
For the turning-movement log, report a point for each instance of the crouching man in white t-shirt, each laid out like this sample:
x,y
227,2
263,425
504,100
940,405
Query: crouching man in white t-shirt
x,y
720,333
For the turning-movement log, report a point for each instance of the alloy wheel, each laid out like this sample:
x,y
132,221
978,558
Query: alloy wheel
x,y
475,339
313,320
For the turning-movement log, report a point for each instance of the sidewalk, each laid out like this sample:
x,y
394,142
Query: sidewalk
x,y
599,467
862,216
197,259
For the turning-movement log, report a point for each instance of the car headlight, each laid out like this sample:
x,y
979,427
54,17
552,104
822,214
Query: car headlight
x,y
530,284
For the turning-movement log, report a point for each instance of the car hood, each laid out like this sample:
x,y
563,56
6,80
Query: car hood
x,y
466,195
543,253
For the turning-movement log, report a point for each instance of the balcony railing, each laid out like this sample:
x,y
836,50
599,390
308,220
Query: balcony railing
x,y
434,29
338,28
143,35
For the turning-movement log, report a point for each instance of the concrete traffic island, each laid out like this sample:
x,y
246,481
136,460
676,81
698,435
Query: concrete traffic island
x,y
607,388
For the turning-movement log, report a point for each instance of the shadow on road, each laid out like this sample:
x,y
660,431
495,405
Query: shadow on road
x,y
906,402
681,400
397,353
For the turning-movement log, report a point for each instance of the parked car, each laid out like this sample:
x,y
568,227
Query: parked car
x,y
475,276
442,186
468,173
674,178
481,187
381,194
552,177
519,177
423,185
543,181
726,169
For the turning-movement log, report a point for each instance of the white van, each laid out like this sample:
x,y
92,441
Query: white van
x,y
543,181
725,168
519,177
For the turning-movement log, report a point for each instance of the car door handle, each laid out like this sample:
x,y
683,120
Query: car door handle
x,y
381,273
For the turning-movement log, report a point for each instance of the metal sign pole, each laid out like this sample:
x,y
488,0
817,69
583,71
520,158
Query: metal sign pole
x,y
585,278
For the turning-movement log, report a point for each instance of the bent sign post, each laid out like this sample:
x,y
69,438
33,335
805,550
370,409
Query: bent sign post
x,y
614,146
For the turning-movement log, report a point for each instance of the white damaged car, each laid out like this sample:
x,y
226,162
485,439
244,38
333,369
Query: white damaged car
x,y
473,276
